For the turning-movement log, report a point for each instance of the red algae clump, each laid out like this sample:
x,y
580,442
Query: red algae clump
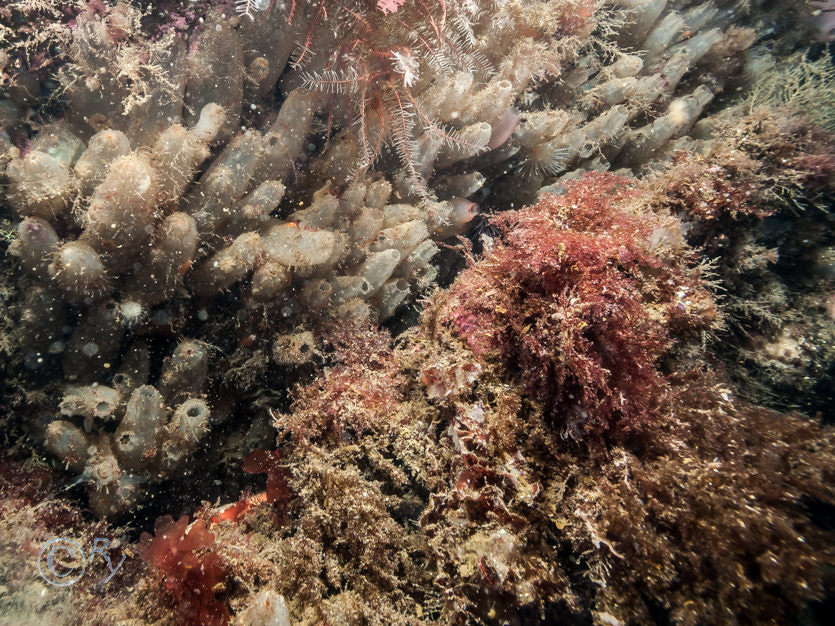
x,y
573,300
192,570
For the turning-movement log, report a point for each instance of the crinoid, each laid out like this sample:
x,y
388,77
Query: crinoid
x,y
376,67
250,8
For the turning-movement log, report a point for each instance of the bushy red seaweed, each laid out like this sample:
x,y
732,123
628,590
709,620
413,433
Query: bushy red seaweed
x,y
709,191
762,161
191,567
359,391
278,491
575,301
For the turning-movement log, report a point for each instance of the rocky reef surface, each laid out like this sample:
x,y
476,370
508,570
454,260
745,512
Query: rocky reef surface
x,y
418,311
